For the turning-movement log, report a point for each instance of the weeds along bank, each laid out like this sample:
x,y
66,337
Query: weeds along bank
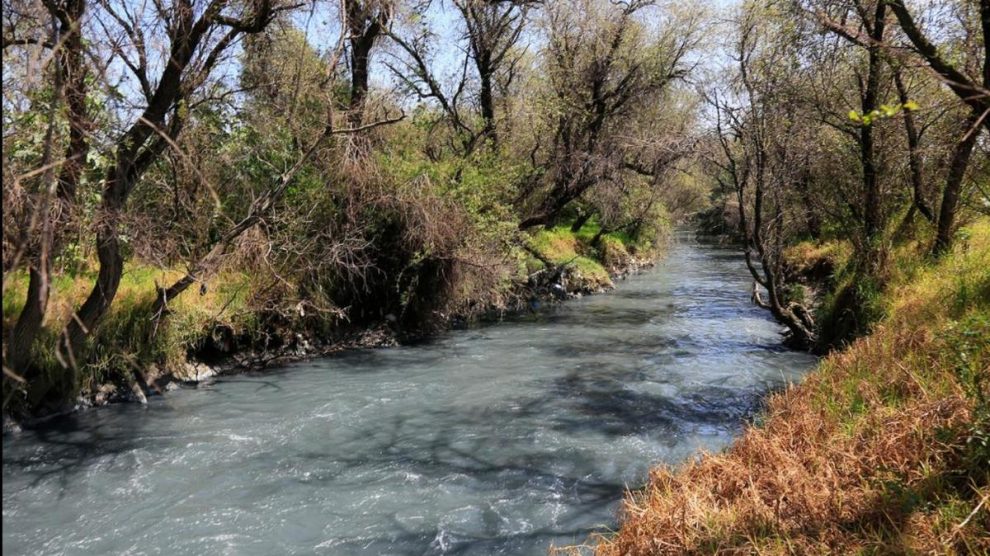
x,y
884,449
240,320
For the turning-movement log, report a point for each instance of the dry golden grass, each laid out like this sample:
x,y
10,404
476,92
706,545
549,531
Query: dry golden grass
x,y
873,453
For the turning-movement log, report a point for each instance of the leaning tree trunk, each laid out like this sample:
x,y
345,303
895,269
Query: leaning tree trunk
x,y
143,143
581,220
104,290
918,203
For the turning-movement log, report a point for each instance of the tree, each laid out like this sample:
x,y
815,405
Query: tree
x,y
602,70
55,196
870,20
492,30
313,77
971,89
367,21
758,160
197,37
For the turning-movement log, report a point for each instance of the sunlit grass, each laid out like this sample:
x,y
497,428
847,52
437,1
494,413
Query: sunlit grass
x,y
885,448
561,246
129,337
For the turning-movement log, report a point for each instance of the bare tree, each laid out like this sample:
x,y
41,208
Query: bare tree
x,y
56,195
493,29
264,204
757,164
599,77
870,17
973,90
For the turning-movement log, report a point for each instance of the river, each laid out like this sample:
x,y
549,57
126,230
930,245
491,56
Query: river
x,y
502,439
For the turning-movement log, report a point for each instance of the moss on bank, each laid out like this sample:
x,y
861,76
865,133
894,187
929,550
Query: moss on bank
x,y
884,449
593,258
562,247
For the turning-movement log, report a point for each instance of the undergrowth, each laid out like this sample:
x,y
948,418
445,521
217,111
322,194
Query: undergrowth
x,y
258,310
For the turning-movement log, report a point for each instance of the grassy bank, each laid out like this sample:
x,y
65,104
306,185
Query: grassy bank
x,y
884,449
131,344
248,320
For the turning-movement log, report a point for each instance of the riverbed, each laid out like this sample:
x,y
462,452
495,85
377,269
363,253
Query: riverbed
x,y
503,439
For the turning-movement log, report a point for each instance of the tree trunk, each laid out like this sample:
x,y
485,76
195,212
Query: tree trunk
x,y
582,219
487,100
811,220
914,155
953,186
872,209
104,290
360,56
28,322
364,26
70,78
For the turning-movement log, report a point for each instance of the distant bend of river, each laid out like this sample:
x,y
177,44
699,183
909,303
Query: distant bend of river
x,y
503,439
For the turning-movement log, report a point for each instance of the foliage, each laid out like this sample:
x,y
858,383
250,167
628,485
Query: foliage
x,y
885,111
256,187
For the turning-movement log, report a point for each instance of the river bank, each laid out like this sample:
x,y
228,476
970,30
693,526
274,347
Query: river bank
x,y
221,331
882,449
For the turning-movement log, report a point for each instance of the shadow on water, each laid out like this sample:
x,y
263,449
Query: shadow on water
x,y
68,445
447,457
439,541
581,403
497,440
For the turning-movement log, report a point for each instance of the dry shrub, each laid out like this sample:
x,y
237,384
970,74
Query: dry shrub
x,y
454,267
15,201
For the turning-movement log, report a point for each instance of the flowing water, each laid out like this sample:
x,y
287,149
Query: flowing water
x,y
503,439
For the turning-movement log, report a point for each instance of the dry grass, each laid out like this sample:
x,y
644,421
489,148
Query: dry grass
x,y
803,257
882,450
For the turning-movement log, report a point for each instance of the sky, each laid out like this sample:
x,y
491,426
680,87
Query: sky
x,y
321,26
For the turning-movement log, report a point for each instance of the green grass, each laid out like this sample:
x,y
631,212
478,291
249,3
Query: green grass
x,y
127,337
561,246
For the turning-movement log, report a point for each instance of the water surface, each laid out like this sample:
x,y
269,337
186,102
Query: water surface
x,y
498,440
